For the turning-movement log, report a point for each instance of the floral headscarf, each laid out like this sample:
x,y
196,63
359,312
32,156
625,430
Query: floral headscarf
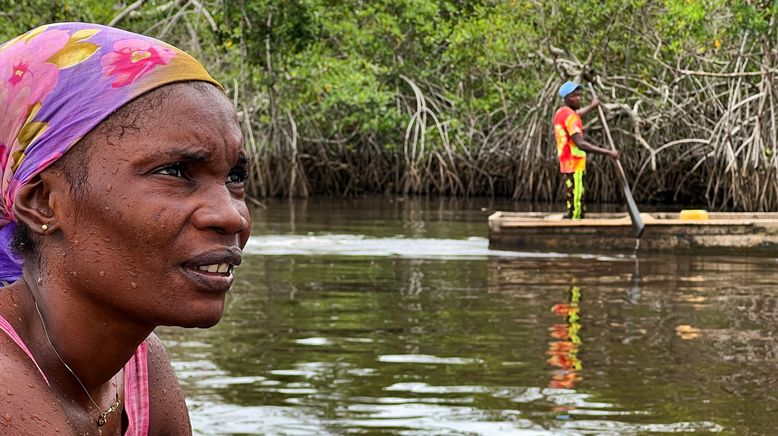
x,y
57,82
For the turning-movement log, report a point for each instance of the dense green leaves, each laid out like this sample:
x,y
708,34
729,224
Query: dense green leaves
x,y
456,96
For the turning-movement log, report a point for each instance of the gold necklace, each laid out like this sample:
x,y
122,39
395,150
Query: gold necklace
x,y
101,420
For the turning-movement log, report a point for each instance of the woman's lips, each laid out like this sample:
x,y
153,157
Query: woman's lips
x,y
210,281
212,270
228,255
221,268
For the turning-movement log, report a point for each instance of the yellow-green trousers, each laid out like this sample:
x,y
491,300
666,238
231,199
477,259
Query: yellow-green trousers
x,y
574,194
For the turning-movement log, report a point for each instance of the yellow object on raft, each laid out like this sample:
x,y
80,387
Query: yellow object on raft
x,y
694,214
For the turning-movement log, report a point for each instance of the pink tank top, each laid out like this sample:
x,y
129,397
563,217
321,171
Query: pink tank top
x,y
136,383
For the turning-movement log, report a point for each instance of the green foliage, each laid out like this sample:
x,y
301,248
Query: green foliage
x,y
21,16
347,76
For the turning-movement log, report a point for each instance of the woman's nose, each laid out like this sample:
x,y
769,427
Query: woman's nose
x,y
223,212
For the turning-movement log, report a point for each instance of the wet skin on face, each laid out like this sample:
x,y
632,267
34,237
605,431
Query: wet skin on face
x,y
161,223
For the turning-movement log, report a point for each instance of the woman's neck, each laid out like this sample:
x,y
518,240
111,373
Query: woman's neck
x,y
81,334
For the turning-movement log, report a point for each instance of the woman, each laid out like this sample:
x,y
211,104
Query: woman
x,y
123,209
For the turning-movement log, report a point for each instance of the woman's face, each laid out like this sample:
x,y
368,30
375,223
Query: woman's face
x,y
162,220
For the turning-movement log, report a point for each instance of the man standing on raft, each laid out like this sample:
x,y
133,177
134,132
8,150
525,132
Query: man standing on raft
x,y
572,147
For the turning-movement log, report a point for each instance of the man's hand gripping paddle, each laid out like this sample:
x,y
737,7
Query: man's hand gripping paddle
x,y
634,213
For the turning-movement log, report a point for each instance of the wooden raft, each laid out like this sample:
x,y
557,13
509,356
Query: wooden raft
x,y
664,231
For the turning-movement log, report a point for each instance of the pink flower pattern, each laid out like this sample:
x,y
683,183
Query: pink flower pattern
x,y
57,82
56,62
132,58
26,78
24,65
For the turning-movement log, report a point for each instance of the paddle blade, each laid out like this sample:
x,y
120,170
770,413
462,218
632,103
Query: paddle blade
x,y
634,213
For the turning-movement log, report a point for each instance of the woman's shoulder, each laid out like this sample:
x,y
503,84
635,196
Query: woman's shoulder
x,y
28,405
15,358
18,368
168,412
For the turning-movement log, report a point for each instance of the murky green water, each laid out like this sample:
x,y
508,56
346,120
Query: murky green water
x,y
378,317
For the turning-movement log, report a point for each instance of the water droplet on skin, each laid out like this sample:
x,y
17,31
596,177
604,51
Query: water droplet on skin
x,y
134,285
109,188
10,394
102,273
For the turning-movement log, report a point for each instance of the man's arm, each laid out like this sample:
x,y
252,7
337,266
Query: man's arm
x,y
588,147
585,110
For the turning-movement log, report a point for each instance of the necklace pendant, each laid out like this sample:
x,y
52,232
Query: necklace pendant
x,y
101,420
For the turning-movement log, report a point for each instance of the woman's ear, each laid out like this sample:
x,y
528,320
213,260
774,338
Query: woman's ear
x,y
35,205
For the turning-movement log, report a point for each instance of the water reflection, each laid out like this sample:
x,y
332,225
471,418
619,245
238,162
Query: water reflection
x,y
418,338
633,293
563,350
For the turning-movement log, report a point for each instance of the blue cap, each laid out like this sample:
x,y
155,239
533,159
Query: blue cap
x,y
568,88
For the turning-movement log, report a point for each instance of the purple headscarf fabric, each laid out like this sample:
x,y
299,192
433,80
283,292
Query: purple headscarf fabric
x,y
57,82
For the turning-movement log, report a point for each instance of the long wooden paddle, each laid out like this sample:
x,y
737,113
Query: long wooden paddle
x,y
634,213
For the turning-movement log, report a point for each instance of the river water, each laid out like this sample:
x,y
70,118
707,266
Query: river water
x,y
380,316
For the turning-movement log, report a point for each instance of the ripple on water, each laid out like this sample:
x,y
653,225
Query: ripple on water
x,y
313,341
210,419
425,358
418,248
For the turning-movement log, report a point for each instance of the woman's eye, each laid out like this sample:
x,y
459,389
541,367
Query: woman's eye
x,y
237,175
175,170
